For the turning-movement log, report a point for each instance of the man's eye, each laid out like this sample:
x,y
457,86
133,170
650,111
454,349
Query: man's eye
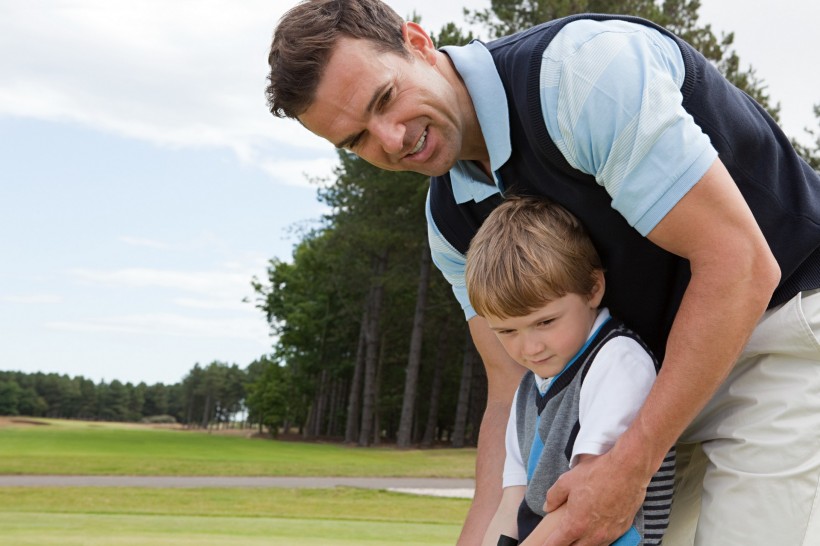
x,y
353,143
385,98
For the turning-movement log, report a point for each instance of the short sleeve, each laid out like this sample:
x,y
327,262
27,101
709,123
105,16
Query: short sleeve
x,y
616,385
611,100
450,262
515,473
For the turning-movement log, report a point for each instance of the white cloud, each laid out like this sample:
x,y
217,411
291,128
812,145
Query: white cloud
x,y
33,299
218,285
189,73
300,172
210,304
147,243
169,324
180,74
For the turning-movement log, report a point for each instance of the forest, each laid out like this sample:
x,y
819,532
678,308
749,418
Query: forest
x,y
368,344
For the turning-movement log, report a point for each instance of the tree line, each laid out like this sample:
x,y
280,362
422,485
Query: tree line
x,y
369,343
207,396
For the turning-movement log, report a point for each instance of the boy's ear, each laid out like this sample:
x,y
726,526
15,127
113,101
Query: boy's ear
x,y
418,41
597,294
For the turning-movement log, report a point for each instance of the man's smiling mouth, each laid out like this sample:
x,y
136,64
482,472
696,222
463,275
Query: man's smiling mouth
x,y
419,144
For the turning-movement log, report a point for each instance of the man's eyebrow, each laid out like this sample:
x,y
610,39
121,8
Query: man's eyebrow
x,y
376,95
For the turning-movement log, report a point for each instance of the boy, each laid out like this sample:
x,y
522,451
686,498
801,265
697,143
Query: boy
x,y
534,275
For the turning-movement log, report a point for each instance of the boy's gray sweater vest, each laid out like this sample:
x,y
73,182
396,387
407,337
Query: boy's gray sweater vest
x,y
554,416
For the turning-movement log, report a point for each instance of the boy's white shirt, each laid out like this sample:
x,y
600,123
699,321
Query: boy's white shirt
x,y
614,389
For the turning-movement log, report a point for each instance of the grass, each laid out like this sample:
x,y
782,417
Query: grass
x,y
101,516
125,530
327,504
120,516
76,448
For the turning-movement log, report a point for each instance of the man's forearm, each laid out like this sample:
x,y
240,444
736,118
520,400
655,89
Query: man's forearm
x,y
717,315
489,468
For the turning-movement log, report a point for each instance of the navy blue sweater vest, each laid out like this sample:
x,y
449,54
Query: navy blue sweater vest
x,y
645,284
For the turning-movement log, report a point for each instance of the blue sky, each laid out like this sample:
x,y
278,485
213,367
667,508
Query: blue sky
x,y
143,182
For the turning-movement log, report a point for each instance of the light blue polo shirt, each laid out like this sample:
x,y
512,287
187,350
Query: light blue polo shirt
x,y
610,95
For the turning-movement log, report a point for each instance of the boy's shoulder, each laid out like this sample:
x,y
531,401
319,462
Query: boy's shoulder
x,y
613,329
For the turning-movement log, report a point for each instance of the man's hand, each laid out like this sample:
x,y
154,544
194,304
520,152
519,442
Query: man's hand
x,y
600,502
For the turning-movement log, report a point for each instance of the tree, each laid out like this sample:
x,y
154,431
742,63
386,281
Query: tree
x,y
191,394
310,306
471,359
136,400
811,153
10,393
342,272
404,437
269,395
156,400
211,395
113,399
87,406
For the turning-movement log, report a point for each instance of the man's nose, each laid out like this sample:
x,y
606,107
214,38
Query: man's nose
x,y
389,133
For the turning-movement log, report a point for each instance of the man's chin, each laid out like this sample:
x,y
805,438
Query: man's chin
x,y
438,170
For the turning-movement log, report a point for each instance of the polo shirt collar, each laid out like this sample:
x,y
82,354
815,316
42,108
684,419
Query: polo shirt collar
x,y
475,65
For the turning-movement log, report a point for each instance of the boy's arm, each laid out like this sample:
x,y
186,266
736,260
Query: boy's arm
x,y
551,521
505,521
544,529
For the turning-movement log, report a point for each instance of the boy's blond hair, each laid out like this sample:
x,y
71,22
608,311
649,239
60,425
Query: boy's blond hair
x,y
528,252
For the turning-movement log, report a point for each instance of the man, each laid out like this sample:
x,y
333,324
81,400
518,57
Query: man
x,y
704,216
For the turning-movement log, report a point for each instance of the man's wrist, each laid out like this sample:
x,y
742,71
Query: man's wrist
x,y
638,455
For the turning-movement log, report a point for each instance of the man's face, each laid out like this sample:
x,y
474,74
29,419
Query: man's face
x,y
398,113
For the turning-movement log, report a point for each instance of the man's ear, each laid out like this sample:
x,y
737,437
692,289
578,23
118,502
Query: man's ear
x,y
419,42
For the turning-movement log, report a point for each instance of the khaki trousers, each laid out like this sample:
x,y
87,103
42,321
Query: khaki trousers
x,y
749,465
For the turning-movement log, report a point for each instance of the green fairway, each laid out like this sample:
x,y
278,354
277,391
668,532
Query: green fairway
x,y
327,504
81,448
108,530
135,516
117,516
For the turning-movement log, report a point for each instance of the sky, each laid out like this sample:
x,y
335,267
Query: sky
x,y
144,184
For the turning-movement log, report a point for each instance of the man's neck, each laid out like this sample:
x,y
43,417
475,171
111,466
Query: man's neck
x,y
473,146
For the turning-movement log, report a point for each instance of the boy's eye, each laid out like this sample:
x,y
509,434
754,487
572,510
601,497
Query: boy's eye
x,y
545,322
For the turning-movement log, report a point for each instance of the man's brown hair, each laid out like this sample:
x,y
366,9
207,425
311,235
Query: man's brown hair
x,y
528,252
304,39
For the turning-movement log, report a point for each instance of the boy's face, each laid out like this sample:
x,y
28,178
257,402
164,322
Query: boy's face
x,y
546,340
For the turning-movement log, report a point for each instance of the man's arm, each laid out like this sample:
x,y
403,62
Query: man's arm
x,y
733,277
503,376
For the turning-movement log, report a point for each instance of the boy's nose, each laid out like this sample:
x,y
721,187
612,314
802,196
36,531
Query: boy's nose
x,y
533,345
